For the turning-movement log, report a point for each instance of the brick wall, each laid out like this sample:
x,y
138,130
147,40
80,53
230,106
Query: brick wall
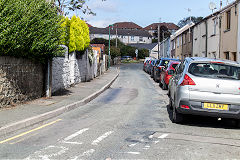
x,y
20,80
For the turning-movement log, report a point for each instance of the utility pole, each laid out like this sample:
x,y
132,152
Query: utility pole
x,y
109,55
116,35
158,41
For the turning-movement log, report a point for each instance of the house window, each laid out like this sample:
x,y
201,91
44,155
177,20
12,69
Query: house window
x,y
132,38
228,20
140,38
226,55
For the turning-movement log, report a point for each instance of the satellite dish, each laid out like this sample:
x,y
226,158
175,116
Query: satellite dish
x,y
212,6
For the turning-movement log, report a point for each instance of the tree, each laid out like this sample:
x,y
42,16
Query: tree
x,y
186,20
29,29
73,5
115,52
142,53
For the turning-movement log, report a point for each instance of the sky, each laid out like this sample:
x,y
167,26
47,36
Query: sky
x,y
146,12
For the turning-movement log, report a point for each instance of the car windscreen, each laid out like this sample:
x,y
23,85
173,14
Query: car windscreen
x,y
215,70
164,63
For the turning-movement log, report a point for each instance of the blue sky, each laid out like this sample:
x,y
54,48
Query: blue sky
x,y
145,12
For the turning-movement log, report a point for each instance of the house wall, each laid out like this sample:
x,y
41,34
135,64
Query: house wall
x,y
165,48
187,44
154,52
199,40
213,45
20,80
124,39
178,50
229,38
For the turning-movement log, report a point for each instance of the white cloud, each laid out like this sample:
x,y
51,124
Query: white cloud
x,y
107,6
104,22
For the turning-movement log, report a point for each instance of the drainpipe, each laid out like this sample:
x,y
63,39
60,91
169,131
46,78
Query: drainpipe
x,y
206,43
220,36
238,37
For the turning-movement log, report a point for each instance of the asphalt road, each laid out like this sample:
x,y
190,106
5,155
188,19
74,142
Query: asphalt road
x,y
130,120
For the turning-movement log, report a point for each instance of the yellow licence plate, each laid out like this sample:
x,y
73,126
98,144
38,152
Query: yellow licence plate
x,y
215,106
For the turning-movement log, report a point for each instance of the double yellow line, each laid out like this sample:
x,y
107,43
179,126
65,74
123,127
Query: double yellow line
x,y
27,132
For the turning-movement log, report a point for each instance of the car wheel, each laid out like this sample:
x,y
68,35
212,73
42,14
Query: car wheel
x,y
176,117
170,103
160,83
164,86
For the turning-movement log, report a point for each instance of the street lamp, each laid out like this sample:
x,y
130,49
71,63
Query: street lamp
x,y
109,59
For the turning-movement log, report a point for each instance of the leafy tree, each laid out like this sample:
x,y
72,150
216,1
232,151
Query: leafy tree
x,y
73,5
100,41
142,53
115,52
186,20
30,29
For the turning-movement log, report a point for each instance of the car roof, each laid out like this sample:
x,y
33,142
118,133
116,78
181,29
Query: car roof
x,y
204,59
170,59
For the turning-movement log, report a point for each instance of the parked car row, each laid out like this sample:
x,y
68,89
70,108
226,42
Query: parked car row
x,y
199,86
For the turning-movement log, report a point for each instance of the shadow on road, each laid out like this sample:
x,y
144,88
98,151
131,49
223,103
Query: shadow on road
x,y
201,121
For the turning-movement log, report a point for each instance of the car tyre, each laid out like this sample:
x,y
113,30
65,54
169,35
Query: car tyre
x,y
177,117
164,86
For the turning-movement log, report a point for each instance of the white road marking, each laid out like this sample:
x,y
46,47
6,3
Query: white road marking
x,y
146,147
72,142
48,152
163,136
135,153
99,139
151,136
87,153
156,142
132,145
76,134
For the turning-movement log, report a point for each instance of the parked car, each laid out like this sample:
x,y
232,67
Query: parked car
x,y
207,87
167,73
150,67
145,63
163,63
154,66
126,58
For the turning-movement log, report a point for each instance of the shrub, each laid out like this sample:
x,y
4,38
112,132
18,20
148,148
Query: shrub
x,y
75,34
115,52
29,29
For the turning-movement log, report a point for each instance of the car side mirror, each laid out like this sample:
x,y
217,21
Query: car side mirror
x,y
171,72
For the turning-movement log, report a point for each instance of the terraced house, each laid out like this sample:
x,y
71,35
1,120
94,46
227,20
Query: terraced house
x,y
218,35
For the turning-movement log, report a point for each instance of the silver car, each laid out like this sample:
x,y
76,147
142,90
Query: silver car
x,y
207,87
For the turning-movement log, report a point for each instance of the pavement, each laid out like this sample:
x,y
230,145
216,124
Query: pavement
x,y
36,111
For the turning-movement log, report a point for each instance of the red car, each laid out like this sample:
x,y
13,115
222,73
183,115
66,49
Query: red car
x,y
167,73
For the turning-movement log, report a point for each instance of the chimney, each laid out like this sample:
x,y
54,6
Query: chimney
x,y
220,4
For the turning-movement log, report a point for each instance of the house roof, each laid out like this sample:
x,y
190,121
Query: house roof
x,y
154,26
89,25
122,32
126,25
217,12
181,30
144,46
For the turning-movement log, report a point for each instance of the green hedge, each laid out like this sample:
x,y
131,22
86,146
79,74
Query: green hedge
x,y
30,29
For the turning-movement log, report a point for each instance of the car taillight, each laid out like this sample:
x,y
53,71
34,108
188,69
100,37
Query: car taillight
x,y
185,107
187,81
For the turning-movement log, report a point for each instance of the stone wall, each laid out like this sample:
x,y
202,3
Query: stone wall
x,y
72,69
20,80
